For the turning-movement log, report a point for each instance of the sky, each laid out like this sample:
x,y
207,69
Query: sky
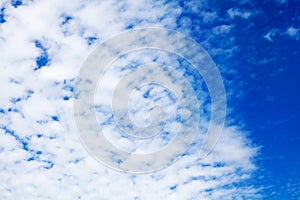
x,y
45,44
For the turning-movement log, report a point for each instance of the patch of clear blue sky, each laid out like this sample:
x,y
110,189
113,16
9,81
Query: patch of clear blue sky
x,y
43,59
2,16
269,104
16,3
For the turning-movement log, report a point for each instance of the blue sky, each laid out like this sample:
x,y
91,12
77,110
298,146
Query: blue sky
x,y
265,92
267,71
255,46
267,75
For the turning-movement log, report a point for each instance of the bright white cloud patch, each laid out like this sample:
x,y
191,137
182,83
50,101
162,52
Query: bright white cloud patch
x,y
293,32
234,12
43,45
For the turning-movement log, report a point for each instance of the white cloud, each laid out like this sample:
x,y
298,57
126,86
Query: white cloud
x,y
222,29
293,32
42,158
235,12
271,34
209,17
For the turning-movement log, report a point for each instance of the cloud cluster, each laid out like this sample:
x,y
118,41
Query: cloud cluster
x,y
43,45
291,32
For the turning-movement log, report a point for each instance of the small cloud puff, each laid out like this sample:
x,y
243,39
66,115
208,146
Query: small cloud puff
x,y
293,32
271,34
234,13
222,29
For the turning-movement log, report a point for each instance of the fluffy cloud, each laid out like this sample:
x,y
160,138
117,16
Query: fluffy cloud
x,y
43,45
293,32
234,12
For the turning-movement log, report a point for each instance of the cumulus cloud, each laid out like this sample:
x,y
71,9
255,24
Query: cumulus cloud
x,y
43,45
235,12
293,32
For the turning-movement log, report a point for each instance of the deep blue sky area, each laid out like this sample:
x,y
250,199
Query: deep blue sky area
x,y
270,106
265,84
